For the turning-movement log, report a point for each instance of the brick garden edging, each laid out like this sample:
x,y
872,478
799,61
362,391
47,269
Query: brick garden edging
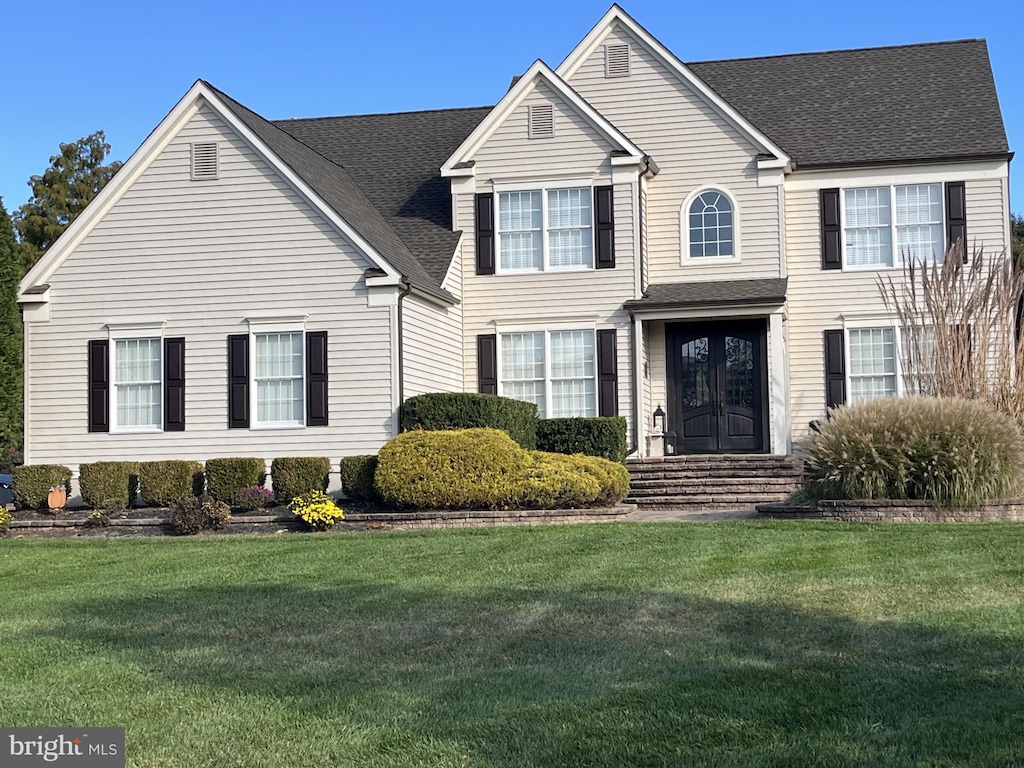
x,y
157,526
897,511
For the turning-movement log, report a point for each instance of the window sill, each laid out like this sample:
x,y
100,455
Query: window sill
x,y
688,261
136,431
275,427
550,271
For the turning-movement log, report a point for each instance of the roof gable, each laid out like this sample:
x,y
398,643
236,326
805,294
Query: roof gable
x,y
538,72
616,15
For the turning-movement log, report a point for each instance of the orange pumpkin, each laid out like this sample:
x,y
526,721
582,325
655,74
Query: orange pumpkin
x,y
57,498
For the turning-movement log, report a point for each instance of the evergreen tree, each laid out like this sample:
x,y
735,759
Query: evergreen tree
x,y
10,346
74,178
1017,225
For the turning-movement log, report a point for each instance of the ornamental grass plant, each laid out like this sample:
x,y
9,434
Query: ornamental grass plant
x,y
954,452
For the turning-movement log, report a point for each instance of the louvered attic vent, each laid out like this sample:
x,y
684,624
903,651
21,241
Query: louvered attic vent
x,y
204,161
616,60
542,121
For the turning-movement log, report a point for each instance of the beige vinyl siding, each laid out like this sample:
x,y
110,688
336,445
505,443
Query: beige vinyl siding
x,y
694,147
432,341
593,298
509,153
820,299
203,256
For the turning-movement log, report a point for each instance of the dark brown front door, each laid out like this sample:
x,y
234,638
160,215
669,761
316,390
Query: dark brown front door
x,y
717,386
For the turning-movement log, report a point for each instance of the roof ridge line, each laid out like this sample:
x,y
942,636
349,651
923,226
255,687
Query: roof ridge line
x,y
842,50
380,114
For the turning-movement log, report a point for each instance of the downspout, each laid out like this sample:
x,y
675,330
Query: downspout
x,y
401,354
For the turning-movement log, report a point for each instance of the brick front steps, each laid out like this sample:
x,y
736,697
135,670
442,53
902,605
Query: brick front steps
x,y
897,511
711,482
249,523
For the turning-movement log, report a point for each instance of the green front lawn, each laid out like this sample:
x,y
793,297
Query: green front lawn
x,y
731,644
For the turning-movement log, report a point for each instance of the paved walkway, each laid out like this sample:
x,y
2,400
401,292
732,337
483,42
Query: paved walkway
x,y
686,516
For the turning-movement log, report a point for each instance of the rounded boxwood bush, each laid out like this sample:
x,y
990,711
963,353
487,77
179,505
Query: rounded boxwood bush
x,y
467,410
109,482
163,483
32,484
954,452
357,476
486,469
225,476
294,476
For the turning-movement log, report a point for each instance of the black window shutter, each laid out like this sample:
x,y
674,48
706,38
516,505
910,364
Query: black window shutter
x,y
487,364
835,369
316,379
174,385
607,374
956,217
485,234
831,233
238,381
99,386
604,215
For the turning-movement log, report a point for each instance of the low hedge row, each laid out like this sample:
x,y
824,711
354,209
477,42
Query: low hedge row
x,y
465,410
603,436
32,484
357,474
299,476
486,469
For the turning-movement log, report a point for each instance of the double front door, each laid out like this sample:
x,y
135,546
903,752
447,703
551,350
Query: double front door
x,y
717,386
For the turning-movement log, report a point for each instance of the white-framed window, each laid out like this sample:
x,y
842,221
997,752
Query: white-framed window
x,y
882,361
279,377
885,225
556,370
137,365
545,229
709,225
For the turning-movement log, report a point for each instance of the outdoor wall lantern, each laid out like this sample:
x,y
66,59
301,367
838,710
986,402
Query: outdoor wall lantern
x,y
659,420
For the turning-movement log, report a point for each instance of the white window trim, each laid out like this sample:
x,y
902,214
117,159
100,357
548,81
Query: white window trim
x,y
129,331
868,323
897,254
263,325
684,225
547,331
544,188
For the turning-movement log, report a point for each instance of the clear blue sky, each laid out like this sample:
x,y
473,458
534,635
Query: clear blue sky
x,y
71,69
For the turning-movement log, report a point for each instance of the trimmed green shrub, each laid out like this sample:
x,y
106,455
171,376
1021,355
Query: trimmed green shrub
x,y
5,521
32,484
162,483
603,436
956,453
193,514
294,476
486,469
466,410
105,481
357,477
225,476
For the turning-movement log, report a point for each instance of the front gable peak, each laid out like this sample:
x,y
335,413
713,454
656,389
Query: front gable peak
x,y
774,155
538,75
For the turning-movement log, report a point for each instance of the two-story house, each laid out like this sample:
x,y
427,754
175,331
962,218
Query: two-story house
x,y
622,233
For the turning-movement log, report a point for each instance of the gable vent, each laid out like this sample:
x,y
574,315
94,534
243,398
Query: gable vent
x,y
542,121
204,161
616,60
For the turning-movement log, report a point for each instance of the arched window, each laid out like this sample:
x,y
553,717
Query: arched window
x,y
711,225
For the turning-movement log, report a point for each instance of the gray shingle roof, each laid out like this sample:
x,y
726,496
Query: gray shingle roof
x,y
342,192
712,293
869,106
396,160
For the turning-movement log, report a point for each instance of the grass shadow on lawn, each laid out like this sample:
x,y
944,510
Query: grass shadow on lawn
x,y
384,675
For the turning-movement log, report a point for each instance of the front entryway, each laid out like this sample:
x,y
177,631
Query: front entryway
x,y
718,386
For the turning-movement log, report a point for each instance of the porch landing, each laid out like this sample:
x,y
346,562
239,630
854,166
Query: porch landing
x,y
711,482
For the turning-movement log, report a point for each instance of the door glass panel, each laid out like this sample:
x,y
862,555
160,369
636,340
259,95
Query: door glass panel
x,y
696,374
739,372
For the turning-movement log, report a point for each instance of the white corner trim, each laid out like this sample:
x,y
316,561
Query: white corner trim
x,y
596,36
127,329
778,386
513,98
34,298
276,323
